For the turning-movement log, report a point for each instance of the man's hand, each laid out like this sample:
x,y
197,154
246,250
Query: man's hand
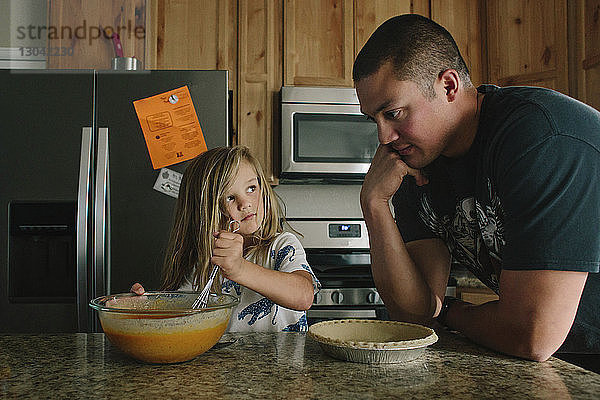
x,y
385,176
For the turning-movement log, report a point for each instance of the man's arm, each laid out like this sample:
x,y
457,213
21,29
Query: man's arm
x,y
532,317
410,279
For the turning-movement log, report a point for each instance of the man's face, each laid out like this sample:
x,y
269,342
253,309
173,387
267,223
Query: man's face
x,y
413,125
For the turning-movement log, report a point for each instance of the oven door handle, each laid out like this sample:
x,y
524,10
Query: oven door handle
x,y
339,259
330,313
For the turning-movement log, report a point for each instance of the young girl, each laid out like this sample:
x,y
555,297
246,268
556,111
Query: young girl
x,y
260,263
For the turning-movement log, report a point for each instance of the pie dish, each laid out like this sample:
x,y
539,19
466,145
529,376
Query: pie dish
x,y
372,341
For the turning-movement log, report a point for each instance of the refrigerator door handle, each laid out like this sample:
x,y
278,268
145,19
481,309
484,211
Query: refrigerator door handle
x,y
101,217
84,321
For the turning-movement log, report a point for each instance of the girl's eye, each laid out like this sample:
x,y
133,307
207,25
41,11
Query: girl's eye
x,y
251,188
229,198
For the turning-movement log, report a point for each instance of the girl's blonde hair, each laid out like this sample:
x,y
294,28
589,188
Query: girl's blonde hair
x,y
200,211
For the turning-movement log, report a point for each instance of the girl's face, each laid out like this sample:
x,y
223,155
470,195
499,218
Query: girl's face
x,y
243,200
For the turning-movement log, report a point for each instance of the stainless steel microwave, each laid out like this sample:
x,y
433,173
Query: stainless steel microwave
x,y
324,134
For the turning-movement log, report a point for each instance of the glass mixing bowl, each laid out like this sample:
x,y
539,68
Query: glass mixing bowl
x,y
162,327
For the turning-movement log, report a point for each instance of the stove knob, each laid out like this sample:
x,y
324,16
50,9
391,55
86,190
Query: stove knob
x,y
372,297
317,298
337,297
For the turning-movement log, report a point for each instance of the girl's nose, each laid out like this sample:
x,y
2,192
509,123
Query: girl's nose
x,y
244,203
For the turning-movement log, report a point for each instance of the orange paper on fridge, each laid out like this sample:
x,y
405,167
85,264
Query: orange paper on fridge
x,y
171,127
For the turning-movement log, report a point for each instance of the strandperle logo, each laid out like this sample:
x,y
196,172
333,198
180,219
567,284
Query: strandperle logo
x,y
82,31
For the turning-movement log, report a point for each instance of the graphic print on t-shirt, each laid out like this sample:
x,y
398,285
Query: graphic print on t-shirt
x,y
265,307
473,227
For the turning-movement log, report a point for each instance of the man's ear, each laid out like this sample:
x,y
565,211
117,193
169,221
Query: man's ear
x,y
451,82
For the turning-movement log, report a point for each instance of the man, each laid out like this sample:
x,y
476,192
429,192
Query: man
x,y
505,181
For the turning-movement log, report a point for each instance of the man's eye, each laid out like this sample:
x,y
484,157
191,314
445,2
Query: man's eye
x,y
369,118
393,114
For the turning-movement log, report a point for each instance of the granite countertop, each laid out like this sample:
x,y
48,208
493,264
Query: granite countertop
x,y
277,365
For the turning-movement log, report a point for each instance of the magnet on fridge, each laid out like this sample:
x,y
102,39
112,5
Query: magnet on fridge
x,y
168,182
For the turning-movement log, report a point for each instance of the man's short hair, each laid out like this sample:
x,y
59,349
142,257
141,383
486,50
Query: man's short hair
x,y
418,48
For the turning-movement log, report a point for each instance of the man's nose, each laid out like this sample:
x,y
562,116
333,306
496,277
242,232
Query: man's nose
x,y
386,133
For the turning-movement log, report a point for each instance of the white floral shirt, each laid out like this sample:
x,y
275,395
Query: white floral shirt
x,y
256,313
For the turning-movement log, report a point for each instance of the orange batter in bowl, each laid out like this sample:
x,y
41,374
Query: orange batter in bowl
x,y
162,327
172,347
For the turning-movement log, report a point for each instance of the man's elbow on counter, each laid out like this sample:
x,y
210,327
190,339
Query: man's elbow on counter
x,y
539,355
538,348
402,316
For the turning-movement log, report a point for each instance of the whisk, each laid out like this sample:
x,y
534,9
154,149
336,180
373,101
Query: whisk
x,y
202,300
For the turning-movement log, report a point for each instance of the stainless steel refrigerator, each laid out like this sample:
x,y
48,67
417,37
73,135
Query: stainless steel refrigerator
x,y
79,217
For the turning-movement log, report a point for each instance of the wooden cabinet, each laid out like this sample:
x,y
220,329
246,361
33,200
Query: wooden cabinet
x,y
369,14
259,79
322,37
75,25
584,24
319,47
185,34
591,61
464,20
527,43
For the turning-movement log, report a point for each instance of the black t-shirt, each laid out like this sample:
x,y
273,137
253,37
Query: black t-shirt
x,y
525,197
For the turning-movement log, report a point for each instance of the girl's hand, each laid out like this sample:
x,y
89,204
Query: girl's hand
x,y
228,254
137,288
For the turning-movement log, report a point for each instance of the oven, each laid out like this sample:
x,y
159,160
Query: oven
x,y
337,250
